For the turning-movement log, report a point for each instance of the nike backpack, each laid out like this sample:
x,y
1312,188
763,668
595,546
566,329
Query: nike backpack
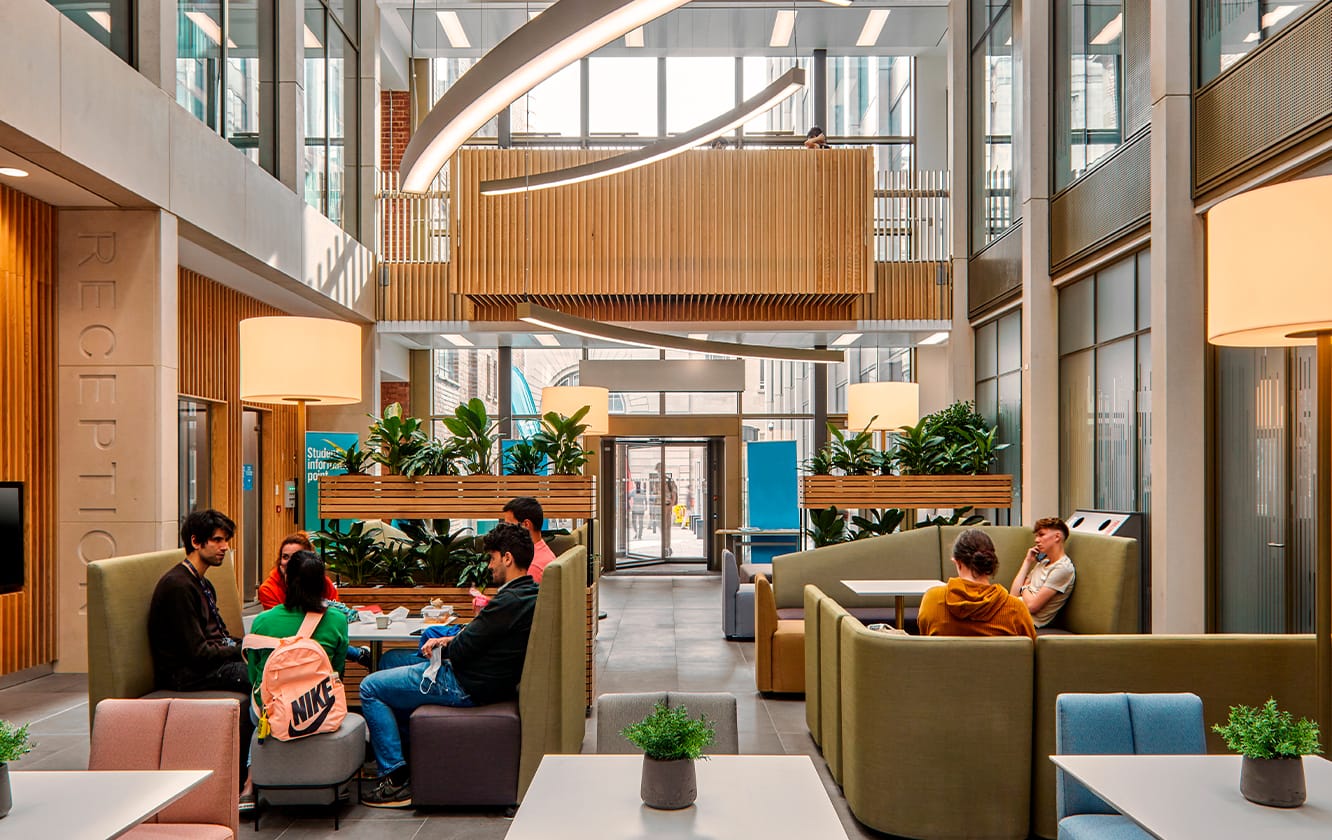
x,y
301,694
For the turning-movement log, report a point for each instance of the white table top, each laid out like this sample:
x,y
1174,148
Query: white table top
x,y
398,631
574,797
891,587
1186,796
91,804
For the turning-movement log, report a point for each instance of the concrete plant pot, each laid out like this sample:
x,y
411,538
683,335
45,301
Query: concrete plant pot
x,y
1277,782
668,785
6,796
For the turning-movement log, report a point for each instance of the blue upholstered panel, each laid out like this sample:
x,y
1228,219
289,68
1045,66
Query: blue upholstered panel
x,y
1120,724
1167,724
1089,724
1100,827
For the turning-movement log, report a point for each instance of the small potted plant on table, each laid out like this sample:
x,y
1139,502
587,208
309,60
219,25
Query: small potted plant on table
x,y
671,742
14,744
1273,744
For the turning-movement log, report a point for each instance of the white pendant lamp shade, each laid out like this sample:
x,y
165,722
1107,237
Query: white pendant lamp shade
x,y
567,399
1269,265
882,406
300,360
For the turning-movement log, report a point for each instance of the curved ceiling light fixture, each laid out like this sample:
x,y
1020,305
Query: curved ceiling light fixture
x,y
562,34
772,95
553,320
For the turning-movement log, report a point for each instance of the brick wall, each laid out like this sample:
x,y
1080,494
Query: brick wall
x,y
395,127
396,392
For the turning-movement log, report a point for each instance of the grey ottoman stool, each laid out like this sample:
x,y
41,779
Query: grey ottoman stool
x,y
307,771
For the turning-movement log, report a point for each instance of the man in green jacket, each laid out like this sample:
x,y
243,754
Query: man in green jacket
x,y
480,665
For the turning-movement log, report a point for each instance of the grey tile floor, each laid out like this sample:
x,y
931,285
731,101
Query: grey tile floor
x,y
660,633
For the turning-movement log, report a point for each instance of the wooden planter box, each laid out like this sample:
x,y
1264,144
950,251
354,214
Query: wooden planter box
x,y
411,597
906,491
452,496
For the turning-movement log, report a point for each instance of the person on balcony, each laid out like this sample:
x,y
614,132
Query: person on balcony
x,y
972,604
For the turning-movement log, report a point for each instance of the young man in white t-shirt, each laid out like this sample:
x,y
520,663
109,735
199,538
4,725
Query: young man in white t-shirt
x,y
1046,578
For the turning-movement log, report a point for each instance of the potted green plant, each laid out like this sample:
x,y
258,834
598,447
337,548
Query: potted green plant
x,y
1273,744
394,438
353,460
352,554
827,527
524,458
558,441
671,741
474,435
14,744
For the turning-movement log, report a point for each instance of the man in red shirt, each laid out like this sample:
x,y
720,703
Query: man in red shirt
x,y
526,511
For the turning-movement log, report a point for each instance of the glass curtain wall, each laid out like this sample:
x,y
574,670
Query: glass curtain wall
x,y
994,107
1105,389
111,22
1228,30
1264,460
1089,85
872,96
331,110
999,400
224,51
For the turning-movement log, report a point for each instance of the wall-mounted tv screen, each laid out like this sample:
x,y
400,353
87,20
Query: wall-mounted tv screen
x,y
11,536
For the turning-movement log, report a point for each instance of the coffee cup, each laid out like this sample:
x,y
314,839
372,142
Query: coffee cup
x,y
382,622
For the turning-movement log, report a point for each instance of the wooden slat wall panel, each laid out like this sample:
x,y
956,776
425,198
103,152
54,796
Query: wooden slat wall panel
x,y
27,412
776,221
909,291
210,316
906,491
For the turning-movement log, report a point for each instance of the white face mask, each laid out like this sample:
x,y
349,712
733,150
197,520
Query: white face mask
x,y
432,671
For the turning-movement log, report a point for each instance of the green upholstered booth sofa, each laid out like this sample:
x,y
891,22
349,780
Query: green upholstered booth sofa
x,y
120,662
909,725
1104,600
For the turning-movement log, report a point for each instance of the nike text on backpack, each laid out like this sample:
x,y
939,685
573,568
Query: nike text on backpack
x,y
301,694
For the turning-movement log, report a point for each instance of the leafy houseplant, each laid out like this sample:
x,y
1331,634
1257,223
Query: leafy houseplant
x,y
433,457
828,527
354,460
393,438
558,441
443,555
1272,743
852,454
671,741
523,458
474,435
351,555
14,744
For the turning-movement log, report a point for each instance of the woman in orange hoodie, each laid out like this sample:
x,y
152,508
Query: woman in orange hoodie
x,y
970,604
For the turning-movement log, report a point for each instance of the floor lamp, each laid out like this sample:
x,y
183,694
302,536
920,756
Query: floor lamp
x,y
1269,284
884,407
287,360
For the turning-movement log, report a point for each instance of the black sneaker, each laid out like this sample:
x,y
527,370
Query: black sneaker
x,y
388,795
361,656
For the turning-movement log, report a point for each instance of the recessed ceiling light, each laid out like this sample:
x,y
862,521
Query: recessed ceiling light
x,y
699,336
546,340
102,19
634,38
457,340
782,28
869,34
532,13
312,40
1251,37
845,339
936,338
838,2
1110,31
453,30
13,172
206,25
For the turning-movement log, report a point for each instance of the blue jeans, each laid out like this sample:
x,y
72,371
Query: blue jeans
x,y
398,689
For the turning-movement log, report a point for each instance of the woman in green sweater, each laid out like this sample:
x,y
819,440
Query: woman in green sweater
x,y
305,594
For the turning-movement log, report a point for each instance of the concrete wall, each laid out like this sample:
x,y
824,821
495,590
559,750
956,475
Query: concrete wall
x,y
68,104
